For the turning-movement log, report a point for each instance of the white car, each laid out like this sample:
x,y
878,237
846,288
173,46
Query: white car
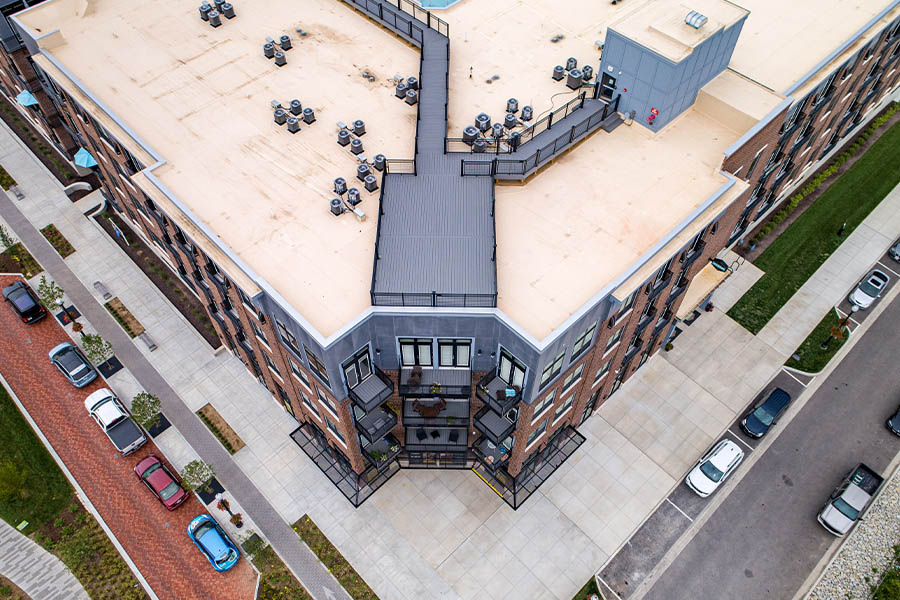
x,y
869,289
714,468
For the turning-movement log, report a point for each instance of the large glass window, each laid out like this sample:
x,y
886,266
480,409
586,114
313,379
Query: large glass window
x,y
602,371
326,401
510,370
584,340
454,353
415,352
537,433
573,377
562,408
317,366
614,339
357,368
287,338
542,405
334,430
553,369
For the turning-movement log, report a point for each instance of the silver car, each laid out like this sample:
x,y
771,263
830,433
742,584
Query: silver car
x,y
73,365
869,289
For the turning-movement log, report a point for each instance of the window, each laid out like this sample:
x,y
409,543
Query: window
x,y
572,378
297,372
317,366
714,228
271,364
245,299
415,352
583,340
334,430
753,165
287,338
283,395
259,333
308,403
680,281
626,306
542,405
614,339
602,371
553,369
454,353
536,434
510,369
563,408
357,368
326,401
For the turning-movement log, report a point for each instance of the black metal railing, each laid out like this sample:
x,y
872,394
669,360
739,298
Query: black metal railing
x,y
389,14
382,452
521,168
633,349
492,390
429,439
653,289
678,290
693,253
491,458
645,320
454,413
373,390
494,426
435,383
434,299
377,423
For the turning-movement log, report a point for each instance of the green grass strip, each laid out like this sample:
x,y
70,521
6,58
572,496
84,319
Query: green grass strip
x,y
812,358
333,559
813,237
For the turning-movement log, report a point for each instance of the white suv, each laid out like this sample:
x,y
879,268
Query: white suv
x,y
714,468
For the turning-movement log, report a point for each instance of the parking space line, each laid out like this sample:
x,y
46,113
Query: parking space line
x,y
607,586
797,380
884,266
679,510
738,438
840,313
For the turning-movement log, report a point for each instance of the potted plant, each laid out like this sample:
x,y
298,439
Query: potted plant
x,y
224,505
435,389
451,420
377,455
237,520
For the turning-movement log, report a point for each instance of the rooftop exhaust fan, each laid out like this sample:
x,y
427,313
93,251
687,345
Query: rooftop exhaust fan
x,y
483,121
695,19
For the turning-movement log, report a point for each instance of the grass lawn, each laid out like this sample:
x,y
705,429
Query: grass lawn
x,y
45,491
812,358
812,238
276,581
589,588
334,560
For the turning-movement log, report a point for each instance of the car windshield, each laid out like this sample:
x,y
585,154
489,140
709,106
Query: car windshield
x,y
225,557
151,470
847,510
202,530
764,416
868,289
169,491
711,471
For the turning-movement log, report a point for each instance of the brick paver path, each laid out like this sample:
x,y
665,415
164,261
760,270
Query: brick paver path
x,y
154,538
39,573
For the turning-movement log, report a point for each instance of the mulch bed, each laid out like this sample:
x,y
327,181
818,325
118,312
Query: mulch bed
x,y
162,277
10,591
811,198
220,428
35,141
57,240
16,259
124,318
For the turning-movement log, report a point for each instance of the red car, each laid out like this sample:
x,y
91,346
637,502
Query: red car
x,y
156,476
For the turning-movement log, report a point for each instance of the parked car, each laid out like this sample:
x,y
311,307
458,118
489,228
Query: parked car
x,y
24,302
765,414
869,289
114,420
73,365
895,251
893,423
714,468
849,500
213,543
160,481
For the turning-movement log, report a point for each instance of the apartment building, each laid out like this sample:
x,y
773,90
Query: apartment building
x,y
469,301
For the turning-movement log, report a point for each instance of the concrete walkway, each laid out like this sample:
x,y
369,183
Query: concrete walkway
x,y
98,258
40,574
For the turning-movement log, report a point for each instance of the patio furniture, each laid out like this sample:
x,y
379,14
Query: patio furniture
x,y
429,411
420,434
435,434
454,436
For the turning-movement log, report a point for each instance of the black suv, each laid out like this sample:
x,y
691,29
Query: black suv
x,y
24,301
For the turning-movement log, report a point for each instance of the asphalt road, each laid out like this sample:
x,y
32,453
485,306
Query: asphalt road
x,y
763,541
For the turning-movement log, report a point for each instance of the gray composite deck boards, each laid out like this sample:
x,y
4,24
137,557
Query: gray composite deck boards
x,y
436,240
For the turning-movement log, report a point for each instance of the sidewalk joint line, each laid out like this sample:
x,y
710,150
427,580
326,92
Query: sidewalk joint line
x,y
684,514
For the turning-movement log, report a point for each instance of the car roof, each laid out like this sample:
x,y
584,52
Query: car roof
x,y
214,541
16,285
778,398
879,275
96,397
725,453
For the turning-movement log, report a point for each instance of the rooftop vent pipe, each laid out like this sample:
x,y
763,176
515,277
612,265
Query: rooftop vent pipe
x,y
695,19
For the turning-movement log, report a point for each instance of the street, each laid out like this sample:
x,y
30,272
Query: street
x,y
763,541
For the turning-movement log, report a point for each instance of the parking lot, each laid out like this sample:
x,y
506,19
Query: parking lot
x,y
154,538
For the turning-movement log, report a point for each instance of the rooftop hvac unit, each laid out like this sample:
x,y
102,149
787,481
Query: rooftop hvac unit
x,y
510,120
695,19
214,19
353,196
576,78
359,127
309,115
571,63
293,124
340,185
588,72
204,11
400,90
470,134
483,122
356,146
280,116
228,10
412,96
527,113
280,59
343,137
378,162
371,184
558,72
362,171
218,4
269,50
497,130
479,145
337,207
285,42
512,105
412,83
296,107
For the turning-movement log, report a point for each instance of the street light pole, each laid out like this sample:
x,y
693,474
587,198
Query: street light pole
x,y
65,310
853,310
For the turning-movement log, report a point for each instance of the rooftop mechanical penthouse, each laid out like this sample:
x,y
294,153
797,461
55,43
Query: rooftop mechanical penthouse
x,y
443,239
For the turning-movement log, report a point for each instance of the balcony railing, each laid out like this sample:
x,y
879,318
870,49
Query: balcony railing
x,y
663,319
437,439
435,383
372,391
677,291
693,254
495,427
633,349
382,452
491,457
492,390
653,289
442,413
646,319
377,423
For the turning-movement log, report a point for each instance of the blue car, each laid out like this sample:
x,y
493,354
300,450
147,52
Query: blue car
x,y
212,541
72,364
764,415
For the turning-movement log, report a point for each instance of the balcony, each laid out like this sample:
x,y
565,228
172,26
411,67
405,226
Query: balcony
x,y
435,383
494,426
493,391
678,290
440,413
693,254
372,391
646,319
633,349
381,453
377,423
653,289
429,439
663,319
490,454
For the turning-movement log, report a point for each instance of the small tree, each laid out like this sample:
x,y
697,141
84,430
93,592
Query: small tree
x,y
12,481
196,475
145,410
6,239
49,292
97,349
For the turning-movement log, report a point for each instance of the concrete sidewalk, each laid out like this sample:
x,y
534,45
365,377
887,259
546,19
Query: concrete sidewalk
x,y
36,571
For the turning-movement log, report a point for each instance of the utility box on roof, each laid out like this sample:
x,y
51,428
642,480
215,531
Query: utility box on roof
x,y
659,56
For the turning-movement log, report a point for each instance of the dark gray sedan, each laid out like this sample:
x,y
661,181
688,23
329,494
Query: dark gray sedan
x,y
765,414
24,302
73,365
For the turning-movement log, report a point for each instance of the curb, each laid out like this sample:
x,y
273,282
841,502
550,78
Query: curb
x,y
80,492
